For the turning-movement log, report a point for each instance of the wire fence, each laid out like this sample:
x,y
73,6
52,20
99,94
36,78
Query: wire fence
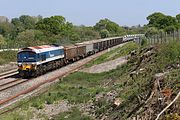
x,y
164,37
12,46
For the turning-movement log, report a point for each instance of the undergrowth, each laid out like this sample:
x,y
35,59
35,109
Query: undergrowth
x,y
7,56
116,53
80,88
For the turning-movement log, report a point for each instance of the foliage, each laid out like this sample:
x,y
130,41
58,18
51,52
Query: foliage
x,y
85,33
161,21
73,114
178,18
151,31
169,53
54,25
79,88
113,28
138,29
30,37
7,29
116,53
24,22
7,56
2,40
104,33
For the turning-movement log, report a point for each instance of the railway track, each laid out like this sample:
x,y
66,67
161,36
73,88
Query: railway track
x,y
8,74
11,83
68,69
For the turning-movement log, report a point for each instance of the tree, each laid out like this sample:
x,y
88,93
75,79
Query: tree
x,y
27,21
2,40
31,37
86,33
169,29
154,19
178,18
151,31
7,29
161,21
104,33
113,28
54,25
24,22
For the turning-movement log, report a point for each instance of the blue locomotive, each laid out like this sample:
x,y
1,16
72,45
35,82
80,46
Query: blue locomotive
x,y
34,61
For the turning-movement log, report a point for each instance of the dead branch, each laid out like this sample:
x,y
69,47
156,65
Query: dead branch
x,y
167,106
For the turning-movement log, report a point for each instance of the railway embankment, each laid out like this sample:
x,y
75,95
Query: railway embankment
x,y
6,57
146,87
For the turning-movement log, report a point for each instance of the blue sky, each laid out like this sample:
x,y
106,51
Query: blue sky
x,y
88,12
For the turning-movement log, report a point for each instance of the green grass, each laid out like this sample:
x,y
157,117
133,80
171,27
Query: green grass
x,y
116,53
7,56
73,114
78,88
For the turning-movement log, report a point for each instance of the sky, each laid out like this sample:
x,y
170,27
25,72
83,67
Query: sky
x,y
89,12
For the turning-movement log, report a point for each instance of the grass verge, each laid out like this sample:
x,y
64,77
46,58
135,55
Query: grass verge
x,y
116,53
7,56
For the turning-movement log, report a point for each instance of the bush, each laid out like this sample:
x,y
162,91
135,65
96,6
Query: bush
x,y
7,56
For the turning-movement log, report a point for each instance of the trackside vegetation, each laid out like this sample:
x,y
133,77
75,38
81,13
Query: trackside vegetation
x,y
116,53
92,96
7,56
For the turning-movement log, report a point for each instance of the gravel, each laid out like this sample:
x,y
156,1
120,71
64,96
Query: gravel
x,y
106,66
51,110
32,82
7,67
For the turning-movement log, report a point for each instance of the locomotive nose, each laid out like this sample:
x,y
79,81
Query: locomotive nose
x,y
26,67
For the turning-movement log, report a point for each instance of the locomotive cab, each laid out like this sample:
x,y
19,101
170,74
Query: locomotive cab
x,y
34,61
26,62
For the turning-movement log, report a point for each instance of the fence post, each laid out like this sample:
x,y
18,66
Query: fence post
x,y
178,34
165,37
154,39
161,37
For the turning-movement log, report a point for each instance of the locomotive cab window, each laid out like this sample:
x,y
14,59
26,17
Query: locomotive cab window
x,y
27,56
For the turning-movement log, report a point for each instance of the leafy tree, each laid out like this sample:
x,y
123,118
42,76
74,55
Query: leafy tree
x,y
24,22
18,25
154,19
30,37
27,21
178,18
7,29
86,33
151,31
104,33
54,25
162,21
169,29
113,28
2,40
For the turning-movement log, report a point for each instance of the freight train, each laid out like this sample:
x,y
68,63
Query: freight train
x,y
37,60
